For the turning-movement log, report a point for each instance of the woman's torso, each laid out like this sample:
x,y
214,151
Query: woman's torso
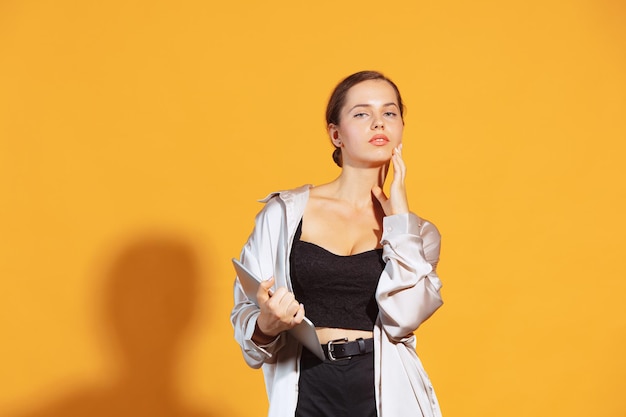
x,y
340,237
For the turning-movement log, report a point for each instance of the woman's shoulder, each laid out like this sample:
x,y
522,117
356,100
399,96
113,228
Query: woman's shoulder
x,y
286,194
277,202
281,205
322,192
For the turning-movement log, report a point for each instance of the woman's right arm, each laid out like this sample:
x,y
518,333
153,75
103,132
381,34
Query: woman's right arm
x,y
258,330
244,317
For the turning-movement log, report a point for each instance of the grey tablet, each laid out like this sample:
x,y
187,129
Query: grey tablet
x,y
304,332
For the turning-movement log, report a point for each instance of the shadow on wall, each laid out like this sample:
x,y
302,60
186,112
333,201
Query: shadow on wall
x,y
150,300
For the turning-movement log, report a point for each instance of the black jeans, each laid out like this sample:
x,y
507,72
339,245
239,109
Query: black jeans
x,y
344,388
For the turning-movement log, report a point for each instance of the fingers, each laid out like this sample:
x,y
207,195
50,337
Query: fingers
x,y
397,201
279,310
265,290
299,316
399,167
292,310
284,305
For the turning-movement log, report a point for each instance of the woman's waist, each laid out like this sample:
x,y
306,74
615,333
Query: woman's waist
x,y
327,334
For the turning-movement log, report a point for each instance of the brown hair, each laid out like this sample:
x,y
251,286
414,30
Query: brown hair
x,y
338,99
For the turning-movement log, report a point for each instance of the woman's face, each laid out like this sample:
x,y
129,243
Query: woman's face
x,y
370,125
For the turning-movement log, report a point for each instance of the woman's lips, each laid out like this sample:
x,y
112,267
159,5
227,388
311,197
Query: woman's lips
x,y
379,140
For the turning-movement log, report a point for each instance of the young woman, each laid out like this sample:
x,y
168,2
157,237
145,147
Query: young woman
x,y
361,264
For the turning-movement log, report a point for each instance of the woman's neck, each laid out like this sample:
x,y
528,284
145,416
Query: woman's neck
x,y
354,185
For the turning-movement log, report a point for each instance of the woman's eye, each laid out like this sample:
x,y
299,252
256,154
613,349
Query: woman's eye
x,y
390,114
360,115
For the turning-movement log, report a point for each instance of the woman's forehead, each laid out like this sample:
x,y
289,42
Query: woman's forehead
x,y
371,92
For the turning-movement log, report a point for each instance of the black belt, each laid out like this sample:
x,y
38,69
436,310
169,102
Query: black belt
x,y
342,349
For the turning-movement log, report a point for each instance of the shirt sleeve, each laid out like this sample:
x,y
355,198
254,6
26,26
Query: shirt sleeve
x,y
257,255
408,291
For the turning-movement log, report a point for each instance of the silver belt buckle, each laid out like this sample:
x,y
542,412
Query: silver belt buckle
x,y
331,349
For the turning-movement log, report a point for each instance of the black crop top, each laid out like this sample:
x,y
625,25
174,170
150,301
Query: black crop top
x,y
337,291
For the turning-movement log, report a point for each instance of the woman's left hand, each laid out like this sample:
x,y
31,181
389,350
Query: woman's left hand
x,y
397,203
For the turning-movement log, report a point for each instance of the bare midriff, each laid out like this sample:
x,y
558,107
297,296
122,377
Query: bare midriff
x,y
326,334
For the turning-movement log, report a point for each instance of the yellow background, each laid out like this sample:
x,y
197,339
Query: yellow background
x,y
135,137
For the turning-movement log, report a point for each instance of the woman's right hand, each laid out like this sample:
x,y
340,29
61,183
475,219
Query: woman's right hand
x,y
279,312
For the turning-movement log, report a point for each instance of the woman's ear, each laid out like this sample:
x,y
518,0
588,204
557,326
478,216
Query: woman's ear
x,y
333,132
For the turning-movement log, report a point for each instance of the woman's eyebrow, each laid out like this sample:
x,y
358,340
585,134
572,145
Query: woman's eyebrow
x,y
369,105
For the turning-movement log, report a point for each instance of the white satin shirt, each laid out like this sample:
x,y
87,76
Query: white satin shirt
x,y
408,293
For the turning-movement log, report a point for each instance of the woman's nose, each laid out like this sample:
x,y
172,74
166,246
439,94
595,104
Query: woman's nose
x,y
377,123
